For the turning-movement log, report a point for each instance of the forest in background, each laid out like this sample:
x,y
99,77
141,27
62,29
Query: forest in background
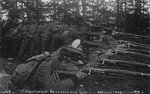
x,y
131,15
35,24
118,29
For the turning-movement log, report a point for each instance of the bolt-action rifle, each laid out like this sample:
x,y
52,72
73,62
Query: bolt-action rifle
x,y
111,73
126,64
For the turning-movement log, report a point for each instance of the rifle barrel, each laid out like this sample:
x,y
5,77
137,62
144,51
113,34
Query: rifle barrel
x,y
124,73
134,43
127,63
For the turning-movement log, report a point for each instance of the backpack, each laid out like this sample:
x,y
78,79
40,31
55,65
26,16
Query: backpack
x,y
24,72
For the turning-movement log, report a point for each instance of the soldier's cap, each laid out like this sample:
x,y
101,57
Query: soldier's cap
x,y
96,28
107,30
90,35
90,44
74,54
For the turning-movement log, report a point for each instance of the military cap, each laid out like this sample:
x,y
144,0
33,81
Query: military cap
x,y
107,30
72,53
92,36
90,44
96,28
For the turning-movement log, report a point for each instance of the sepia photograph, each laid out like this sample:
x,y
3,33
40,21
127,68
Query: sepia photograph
x,y
74,46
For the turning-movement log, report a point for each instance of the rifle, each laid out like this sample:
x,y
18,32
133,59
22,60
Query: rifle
x,y
131,43
126,64
111,73
132,52
67,74
139,51
133,35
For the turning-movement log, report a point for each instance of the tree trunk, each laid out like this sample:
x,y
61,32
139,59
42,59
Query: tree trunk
x,y
78,10
22,49
0,37
37,11
84,11
117,14
22,13
64,11
97,12
28,12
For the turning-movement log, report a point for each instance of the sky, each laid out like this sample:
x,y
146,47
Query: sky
x,y
49,0
45,0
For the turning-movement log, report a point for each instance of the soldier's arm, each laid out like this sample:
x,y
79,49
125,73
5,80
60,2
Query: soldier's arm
x,y
49,81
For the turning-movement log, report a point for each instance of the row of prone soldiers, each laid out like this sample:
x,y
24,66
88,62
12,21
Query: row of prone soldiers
x,y
62,69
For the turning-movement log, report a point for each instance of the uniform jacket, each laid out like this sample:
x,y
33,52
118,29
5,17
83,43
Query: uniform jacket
x,y
48,79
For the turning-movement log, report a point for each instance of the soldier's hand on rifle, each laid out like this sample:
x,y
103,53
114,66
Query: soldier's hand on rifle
x,y
81,75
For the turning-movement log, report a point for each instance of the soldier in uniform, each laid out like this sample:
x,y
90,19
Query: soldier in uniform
x,y
48,78
60,71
